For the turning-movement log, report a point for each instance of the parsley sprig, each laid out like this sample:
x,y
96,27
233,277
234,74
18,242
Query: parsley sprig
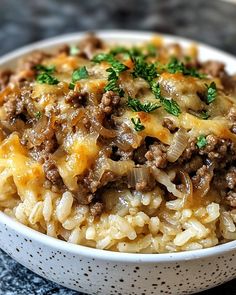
x,y
137,106
176,66
138,126
170,105
201,141
211,92
45,75
145,70
114,71
78,74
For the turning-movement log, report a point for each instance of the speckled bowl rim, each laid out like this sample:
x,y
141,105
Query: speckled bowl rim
x,y
130,36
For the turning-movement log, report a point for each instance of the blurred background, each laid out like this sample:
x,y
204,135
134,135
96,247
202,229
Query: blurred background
x,y
25,21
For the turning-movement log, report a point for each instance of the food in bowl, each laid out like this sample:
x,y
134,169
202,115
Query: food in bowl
x,y
120,147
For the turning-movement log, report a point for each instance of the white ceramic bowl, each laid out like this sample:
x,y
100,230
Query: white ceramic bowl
x,y
96,271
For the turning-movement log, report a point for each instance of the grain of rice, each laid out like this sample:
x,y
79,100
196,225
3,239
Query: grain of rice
x,y
90,233
183,237
36,213
213,211
47,207
64,207
154,225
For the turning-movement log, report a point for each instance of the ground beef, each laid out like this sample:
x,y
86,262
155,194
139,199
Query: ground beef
x,y
190,151
4,78
75,98
203,176
89,45
96,208
231,199
213,68
51,172
64,49
83,195
13,107
232,118
139,154
109,102
169,124
194,164
32,60
157,155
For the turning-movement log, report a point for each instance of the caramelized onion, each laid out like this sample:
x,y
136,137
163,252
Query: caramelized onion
x,y
139,175
119,168
97,126
187,182
178,145
163,178
127,141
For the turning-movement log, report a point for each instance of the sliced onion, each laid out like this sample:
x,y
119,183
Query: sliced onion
x,y
119,168
187,182
178,145
163,178
139,175
127,141
97,126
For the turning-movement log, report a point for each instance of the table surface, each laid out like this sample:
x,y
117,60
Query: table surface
x,y
25,21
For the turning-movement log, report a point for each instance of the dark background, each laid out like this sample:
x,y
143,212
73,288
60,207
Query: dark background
x,y
26,21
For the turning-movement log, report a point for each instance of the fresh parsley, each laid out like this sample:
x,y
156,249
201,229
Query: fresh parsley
x,y
170,105
204,115
74,50
176,66
78,74
137,124
45,78
116,64
152,50
137,106
145,70
46,69
201,141
112,82
211,92
38,115
116,68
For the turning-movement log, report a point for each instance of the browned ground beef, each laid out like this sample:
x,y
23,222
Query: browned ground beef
x,y
4,78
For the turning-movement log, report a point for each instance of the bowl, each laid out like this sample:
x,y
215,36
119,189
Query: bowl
x,y
96,271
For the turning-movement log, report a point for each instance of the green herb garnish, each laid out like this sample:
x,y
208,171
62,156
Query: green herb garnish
x,y
137,124
204,115
116,68
78,74
112,82
211,92
170,105
144,70
137,106
176,66
38,115
201,141
152,50
74,50
116,64
46,69
45,78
